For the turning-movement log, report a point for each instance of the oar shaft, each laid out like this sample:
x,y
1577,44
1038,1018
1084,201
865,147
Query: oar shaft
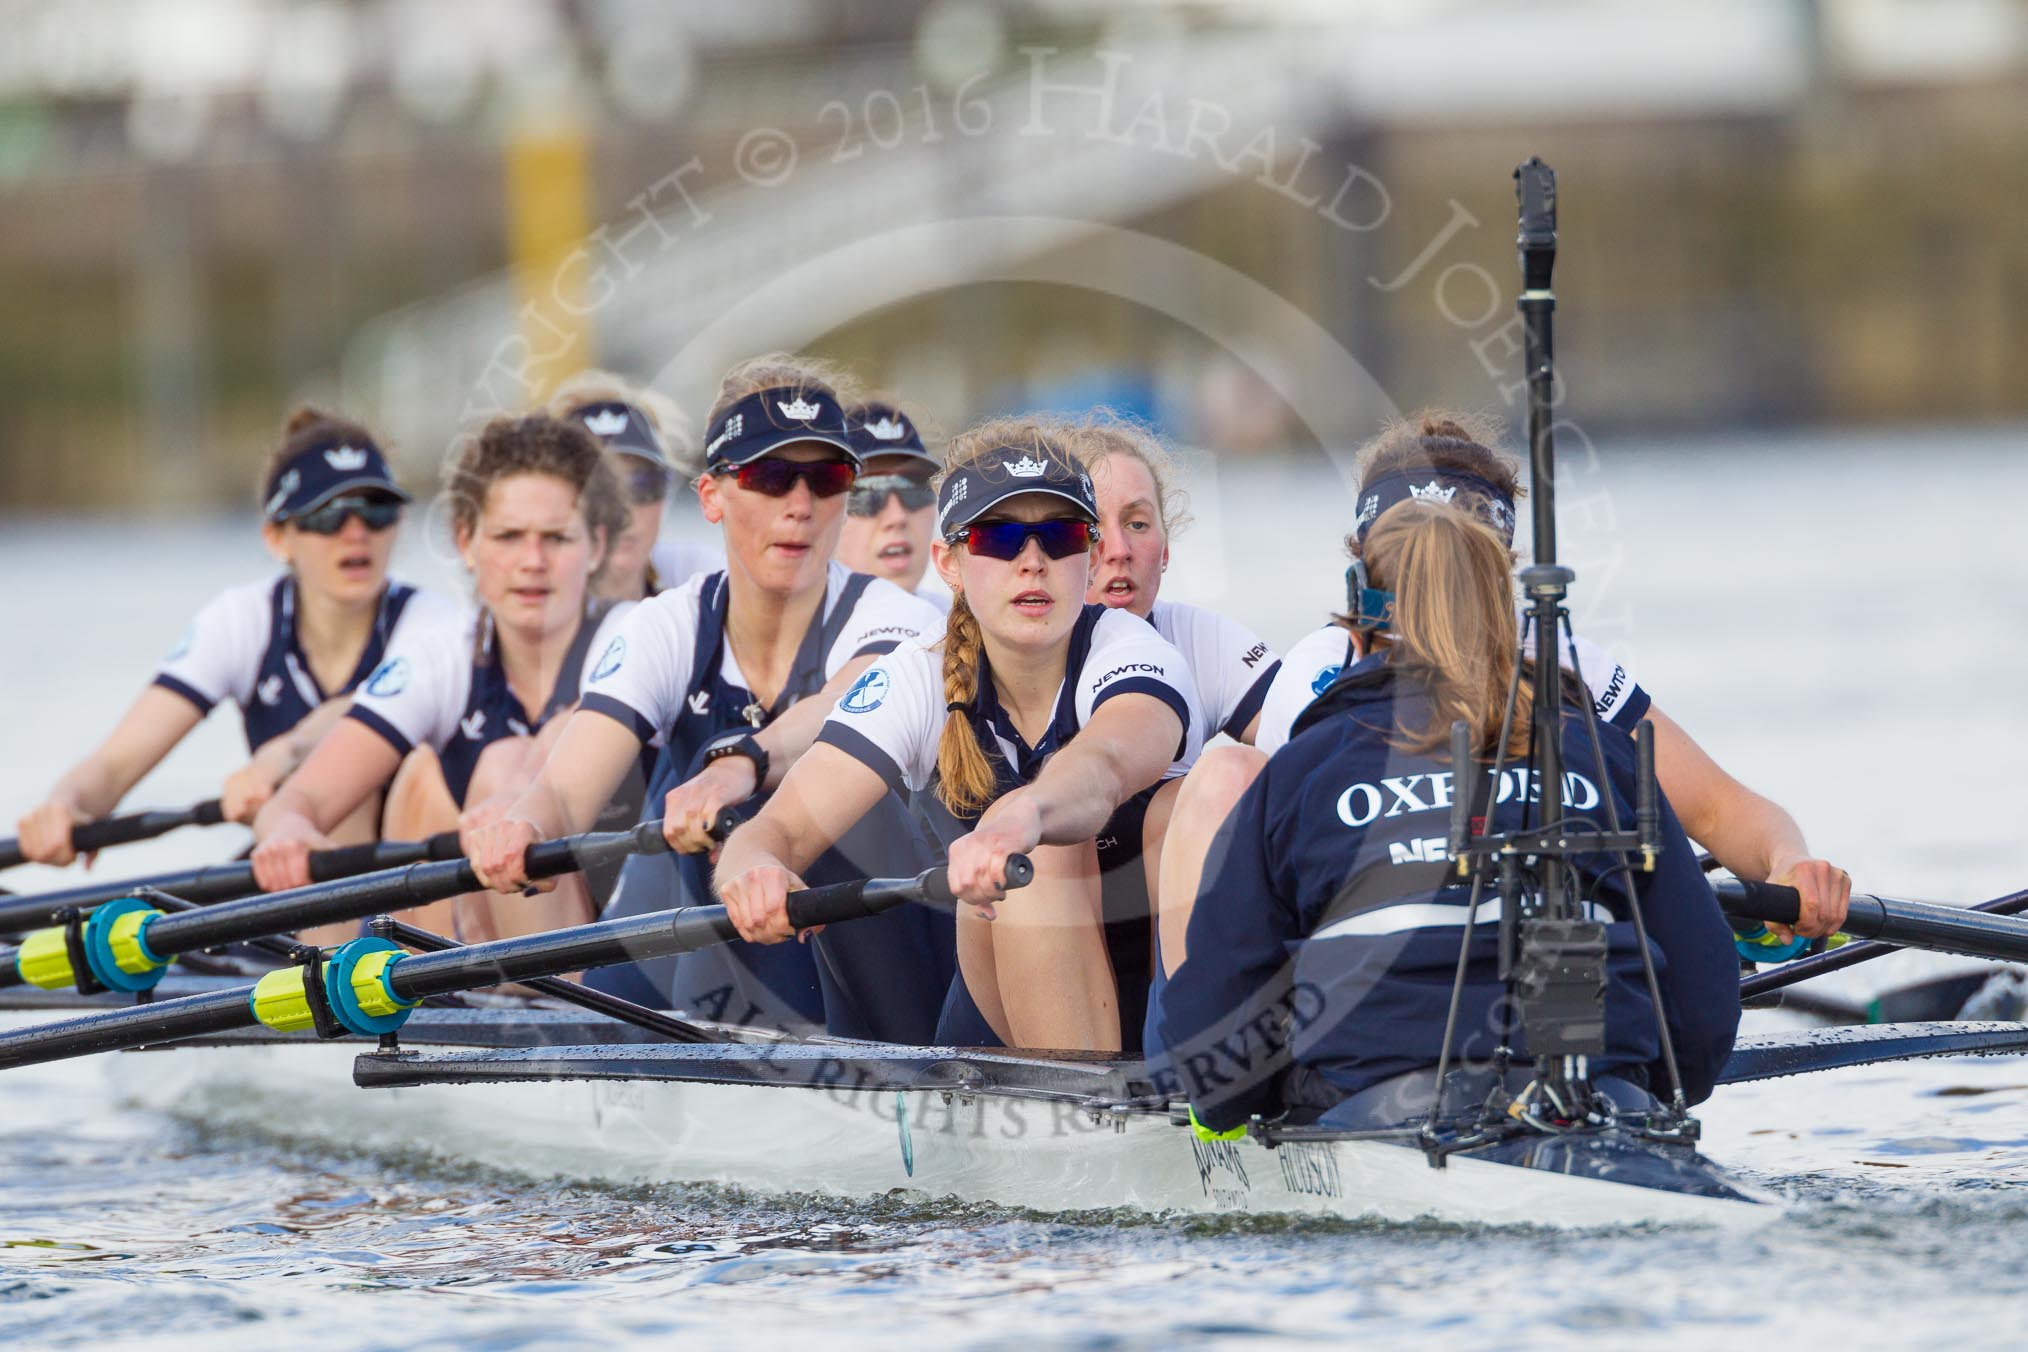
x,y
1910,924
109,831
223,882
357,898
658,935
167,1020
1851,955
417,976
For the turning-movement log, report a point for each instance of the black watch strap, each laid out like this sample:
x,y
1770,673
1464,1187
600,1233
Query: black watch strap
x,y
739,742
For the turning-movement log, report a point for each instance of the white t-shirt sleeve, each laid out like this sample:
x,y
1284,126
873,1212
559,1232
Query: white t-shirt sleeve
x,y
1616,696
427,612
1231,665
1309,667
416,696
892,718
219,655
1128,657
641,671
885,618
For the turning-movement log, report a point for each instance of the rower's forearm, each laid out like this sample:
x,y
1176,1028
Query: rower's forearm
x,y
1751,834
758,843
88,789
788,737
1076,795
298,742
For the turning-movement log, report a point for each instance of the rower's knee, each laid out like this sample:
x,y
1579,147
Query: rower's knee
x,y
419,802
1216,782
499,767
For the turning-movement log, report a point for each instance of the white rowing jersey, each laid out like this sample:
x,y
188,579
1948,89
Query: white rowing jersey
x,y
676,561
893,717
645,675
1315,661
243,647
447,690
1230,664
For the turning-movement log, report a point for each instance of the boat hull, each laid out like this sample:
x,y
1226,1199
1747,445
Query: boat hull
x,y
838,1121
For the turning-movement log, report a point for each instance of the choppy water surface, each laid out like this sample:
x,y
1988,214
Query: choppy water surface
x,y
1760,607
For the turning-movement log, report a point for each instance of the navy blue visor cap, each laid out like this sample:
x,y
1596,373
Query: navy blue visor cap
x,y
968,493
624,428
771,419
331,464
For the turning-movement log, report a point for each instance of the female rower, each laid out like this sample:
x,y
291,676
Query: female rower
x,y
288,650
1315,909
887,514
1446,458
736,669
635,425
453,717
1033,721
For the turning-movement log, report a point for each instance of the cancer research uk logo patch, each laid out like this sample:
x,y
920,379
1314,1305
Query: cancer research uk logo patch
x,y
610,659
1325,675
866,693
389,678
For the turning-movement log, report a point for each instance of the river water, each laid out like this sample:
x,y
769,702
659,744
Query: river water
x,y
1840,618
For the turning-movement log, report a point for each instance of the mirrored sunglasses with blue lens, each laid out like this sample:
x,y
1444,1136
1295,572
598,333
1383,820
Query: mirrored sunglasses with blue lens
x,y
329,518
870,493
777,478
1060,538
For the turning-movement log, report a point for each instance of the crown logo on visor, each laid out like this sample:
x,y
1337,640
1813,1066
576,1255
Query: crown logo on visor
x,y
346,458
610,422
887,429
1432,492
1027,467
798,409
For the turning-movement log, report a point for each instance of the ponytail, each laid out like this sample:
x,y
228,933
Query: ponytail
x,y
965,779
1453,623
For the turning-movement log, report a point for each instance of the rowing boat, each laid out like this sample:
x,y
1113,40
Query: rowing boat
x,y
548,1092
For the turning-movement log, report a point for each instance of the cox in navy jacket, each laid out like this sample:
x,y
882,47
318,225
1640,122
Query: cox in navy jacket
x,y
1365,1000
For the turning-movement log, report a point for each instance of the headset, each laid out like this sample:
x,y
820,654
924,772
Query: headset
x,y
1366,605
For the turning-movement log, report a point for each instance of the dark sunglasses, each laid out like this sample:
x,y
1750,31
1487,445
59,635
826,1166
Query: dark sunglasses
x,y
329,519
1059,538
869,495
777,478
647,483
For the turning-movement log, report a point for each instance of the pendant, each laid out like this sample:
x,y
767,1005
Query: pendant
x,y
754,713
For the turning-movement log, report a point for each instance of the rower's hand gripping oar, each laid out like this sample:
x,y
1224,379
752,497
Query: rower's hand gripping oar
x,y
1911,924
367,987
86,837
127,944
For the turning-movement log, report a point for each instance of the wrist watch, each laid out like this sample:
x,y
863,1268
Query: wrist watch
x,y
739,742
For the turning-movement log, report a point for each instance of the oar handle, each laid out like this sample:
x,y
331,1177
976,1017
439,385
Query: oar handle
x,y
1770,903
143,825
1912,924
348,861
108,831
837,902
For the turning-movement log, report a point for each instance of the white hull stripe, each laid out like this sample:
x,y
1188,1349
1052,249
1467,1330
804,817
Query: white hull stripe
x,y
1429,915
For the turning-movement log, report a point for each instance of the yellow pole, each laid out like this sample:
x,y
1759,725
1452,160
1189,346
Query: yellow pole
x,y
548,216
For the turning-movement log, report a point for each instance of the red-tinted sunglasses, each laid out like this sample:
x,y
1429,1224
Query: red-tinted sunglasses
x,y
777,478
1059,538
